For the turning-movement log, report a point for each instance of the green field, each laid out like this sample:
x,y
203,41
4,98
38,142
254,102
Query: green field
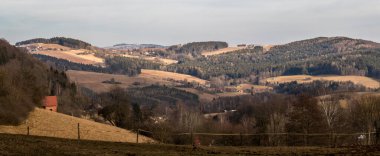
x,y
33,145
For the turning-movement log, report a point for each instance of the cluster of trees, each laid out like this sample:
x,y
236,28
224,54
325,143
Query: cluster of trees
x,y
338,56
162,95
196,48
24,81
22,84
129,66
68,42
318,87
137,107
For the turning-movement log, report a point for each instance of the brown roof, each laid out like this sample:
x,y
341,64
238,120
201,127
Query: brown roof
x,y
50,101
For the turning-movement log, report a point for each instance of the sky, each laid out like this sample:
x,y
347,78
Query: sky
x,y
168,22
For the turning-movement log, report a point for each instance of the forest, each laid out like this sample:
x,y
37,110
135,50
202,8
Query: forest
x,y
319,56
196,48
24,81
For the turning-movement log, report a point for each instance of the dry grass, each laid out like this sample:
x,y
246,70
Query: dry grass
x,y
46,123
69,54
221,51
360,80
163,61
230,94
51,46
93,80
246,86
170,75
267,47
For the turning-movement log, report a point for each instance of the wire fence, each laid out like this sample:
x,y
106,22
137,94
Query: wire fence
x,y
229,139
282,139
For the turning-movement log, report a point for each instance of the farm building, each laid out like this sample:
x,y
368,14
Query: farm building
x,y
241,45
50,103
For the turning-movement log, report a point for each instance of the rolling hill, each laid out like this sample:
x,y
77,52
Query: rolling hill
x,y
360,80
63,41
94,80
318,56
82,56
51,124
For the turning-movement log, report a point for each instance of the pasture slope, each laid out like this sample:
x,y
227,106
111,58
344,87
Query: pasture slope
x,y
93,80
51,124
83,56
163,61
360,80
221,51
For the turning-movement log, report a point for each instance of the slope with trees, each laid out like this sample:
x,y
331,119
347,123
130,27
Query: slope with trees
x,y
68,42
335,56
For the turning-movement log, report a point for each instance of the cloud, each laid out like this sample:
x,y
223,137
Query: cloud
x,y
106,22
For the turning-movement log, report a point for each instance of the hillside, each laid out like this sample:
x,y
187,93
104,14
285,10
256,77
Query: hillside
x,y
196,48
51,124
24,81
94,80
318,56
82,56
63,41
359,80
163,61
221,51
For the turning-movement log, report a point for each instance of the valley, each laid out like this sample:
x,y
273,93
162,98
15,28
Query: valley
x,y
165,77
151,88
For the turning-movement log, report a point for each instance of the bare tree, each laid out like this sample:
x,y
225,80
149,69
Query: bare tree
x,y
331,110
248,123
276,125
365,112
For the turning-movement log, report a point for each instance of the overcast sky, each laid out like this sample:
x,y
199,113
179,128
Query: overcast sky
x,y
167,22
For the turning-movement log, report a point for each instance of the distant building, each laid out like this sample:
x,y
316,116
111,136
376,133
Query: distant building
x,y
241,45
50,103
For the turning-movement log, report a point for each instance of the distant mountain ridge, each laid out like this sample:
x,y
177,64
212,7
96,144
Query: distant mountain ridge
x,y
124,46
68,42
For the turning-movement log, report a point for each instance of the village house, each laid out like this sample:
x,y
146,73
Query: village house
x,y
50,103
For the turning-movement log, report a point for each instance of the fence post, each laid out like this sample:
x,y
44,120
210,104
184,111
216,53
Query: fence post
x,y
78,132
137,138
27,131
369,137
191,137
287,139
241,139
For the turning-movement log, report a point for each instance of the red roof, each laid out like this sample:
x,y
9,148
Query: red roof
x,y
50,101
